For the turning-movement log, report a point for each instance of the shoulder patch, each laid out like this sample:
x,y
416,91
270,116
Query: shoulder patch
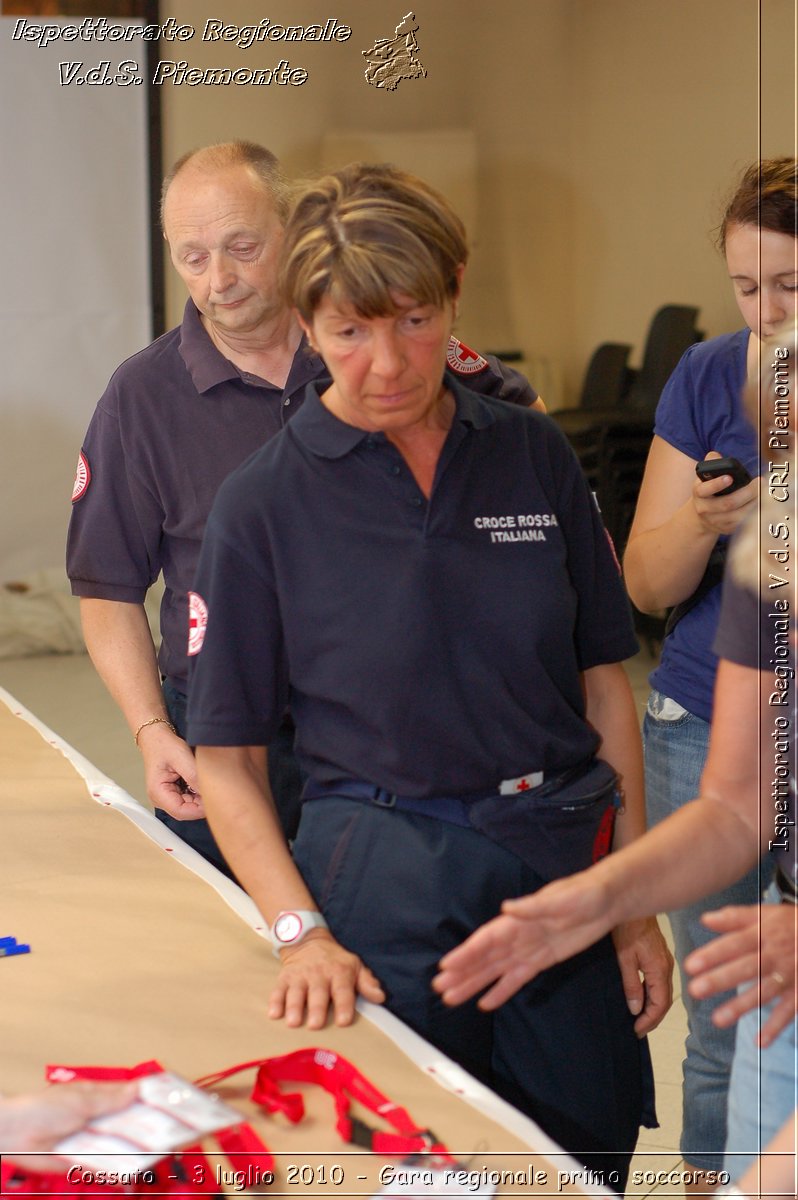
x,y
462,359
197,620
82,478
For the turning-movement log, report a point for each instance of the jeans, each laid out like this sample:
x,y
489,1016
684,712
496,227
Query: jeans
x,y
675,752
764,1090
285,778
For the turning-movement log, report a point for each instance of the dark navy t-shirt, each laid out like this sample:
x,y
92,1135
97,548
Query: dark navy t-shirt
x,y
701,410
427,646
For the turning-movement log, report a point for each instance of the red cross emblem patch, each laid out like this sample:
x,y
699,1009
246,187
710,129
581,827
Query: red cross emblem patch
x,y
197,620
462,359
82,478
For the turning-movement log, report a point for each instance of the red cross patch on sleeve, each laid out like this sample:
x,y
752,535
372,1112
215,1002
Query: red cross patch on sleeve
x,y
462,359
82,478
197,620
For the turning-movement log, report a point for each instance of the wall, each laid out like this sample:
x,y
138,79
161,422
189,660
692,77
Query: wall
x,y
608,132
667,115
76,290
292,121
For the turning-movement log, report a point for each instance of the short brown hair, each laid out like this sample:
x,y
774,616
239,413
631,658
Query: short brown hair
x,y
766,197
262,163
365,232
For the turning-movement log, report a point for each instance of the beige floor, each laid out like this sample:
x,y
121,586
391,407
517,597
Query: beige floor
x,y
64,692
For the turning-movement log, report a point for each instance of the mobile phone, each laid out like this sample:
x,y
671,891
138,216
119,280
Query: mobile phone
x,y
711,468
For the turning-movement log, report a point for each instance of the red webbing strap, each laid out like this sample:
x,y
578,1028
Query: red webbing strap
x,y
323,1067
248,1148
602,843
61,1074
209,1081
345,1083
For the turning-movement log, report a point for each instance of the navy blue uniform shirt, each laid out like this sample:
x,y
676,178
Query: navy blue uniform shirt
x,y
174,421
429,647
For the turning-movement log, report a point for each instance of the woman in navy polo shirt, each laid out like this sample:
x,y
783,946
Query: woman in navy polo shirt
x,y
423,574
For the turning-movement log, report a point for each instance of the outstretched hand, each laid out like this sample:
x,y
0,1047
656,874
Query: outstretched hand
x,y
758,947
34,1123
531,934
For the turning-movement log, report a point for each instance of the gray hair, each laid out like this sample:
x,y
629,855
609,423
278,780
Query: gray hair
x,y
261,162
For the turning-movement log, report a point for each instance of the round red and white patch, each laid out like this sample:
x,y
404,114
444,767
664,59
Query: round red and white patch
x,y
82,478
462,359
197,620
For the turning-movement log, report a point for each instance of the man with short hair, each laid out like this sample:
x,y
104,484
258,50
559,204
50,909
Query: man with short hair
x,y
174,421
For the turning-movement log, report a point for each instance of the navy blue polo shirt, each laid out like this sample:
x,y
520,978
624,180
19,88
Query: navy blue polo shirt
x,y
174,421
429,647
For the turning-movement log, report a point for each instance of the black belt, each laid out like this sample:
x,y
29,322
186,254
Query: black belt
x,y
446,808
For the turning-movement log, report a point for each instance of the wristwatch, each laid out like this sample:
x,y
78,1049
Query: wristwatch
x,y
292,925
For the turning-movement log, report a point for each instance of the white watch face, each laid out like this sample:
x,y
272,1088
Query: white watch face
x,y
287,927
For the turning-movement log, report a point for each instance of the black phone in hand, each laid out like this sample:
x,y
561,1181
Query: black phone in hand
x,y
711,468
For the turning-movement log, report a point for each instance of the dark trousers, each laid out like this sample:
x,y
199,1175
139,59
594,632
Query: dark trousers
x,y
285,779
400,890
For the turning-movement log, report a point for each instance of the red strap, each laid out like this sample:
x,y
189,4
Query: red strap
x,y
323,1067
315,1065
336,1075
59,1074
249,1150
345,1083
602,843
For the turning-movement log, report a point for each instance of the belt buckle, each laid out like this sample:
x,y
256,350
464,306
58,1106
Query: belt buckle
x,y
428,1137
362,1134
524,783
